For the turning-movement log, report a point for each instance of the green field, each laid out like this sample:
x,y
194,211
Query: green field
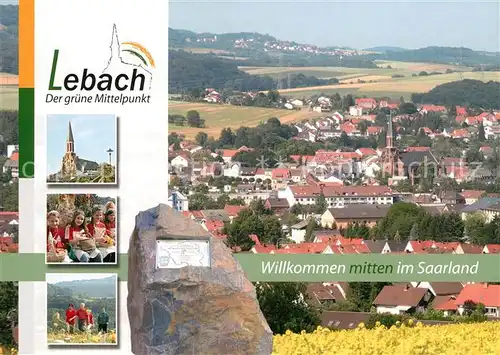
x,y
9,97
218,117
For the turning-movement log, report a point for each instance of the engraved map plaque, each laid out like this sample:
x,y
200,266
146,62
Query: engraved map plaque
x,y
178,253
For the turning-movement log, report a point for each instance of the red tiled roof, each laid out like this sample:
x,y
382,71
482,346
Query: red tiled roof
x,y
214,225
233,211
367,151
434,108
444,303
400,296
264,249
281,173
489,295
472,193
462,111
418,149
493,248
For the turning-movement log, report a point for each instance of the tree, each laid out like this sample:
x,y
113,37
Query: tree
x,y
407,108
321,204
193,118
201,138
8,306
480,132
311,226
414,233
285,307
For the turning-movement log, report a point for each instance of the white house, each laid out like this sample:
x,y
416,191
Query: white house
x,y
399,299
356,111
299,231
178,201
232,170
180,161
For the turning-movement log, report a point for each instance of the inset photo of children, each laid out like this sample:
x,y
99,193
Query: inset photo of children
x,y
81,309
81,229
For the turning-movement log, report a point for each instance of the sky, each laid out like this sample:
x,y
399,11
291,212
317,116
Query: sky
x,y
93,135
355,24
55,278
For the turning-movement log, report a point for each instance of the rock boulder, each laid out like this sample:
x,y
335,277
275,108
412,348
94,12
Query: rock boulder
x,y
190,310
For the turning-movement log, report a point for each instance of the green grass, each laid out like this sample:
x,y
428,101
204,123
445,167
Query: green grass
x,y
9,97
218,117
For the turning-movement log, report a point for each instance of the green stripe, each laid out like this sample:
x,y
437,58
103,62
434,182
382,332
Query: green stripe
x,y
26,133
20,267
137,55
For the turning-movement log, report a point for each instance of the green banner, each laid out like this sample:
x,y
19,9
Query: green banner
x,y
297,267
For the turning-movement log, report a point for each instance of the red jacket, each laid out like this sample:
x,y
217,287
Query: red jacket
x,y
70,231
90,318
82,314
71,316
58,235
91,228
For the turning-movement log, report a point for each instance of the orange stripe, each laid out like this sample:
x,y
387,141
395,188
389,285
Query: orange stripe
x,y
144,51
27,43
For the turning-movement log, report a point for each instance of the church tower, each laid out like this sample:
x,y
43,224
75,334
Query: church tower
x,y
390,154
68,169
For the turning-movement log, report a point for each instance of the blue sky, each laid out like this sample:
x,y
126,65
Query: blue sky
x,y
416,24
93,135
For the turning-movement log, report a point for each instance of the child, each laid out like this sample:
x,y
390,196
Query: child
x,y
71,318
74,233
110,222
90,319
96,230
54,233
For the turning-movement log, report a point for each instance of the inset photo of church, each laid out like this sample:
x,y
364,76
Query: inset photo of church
x,y
82,149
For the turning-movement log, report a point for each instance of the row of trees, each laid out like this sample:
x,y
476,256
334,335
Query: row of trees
x,y
192,119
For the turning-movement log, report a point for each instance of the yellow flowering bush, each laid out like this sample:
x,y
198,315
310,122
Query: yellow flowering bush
x,y
408,339
81,338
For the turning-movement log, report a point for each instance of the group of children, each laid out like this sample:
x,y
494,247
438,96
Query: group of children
x,y
80,240
83,319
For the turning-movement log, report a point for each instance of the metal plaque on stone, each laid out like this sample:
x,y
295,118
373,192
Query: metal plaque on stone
x,y
175,252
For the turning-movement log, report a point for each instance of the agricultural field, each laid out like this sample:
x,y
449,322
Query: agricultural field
x,y
218,117
343,73
9,91
408,339
391,87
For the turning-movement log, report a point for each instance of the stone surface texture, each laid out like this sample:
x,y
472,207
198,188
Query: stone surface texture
x,y
192,310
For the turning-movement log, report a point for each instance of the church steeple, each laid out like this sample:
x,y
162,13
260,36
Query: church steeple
x,y
70,142
389,136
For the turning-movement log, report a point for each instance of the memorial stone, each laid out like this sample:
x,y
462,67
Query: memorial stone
x,y
186,292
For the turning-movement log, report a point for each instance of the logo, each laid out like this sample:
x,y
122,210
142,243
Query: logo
x,y
125,79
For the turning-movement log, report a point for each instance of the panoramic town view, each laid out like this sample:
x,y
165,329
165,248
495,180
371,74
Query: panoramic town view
x,y
287,138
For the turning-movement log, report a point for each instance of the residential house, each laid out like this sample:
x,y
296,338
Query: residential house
x,y
12,164
464,248
325,294
338,196
491,211
180,160
488,295
299,231
356,111
343,320
481,206
280,177
277,205
442,288
402,299
472,196
491,249
366,103
357,213
178,201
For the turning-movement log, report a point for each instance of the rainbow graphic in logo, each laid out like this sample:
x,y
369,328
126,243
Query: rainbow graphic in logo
x,y
138,52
